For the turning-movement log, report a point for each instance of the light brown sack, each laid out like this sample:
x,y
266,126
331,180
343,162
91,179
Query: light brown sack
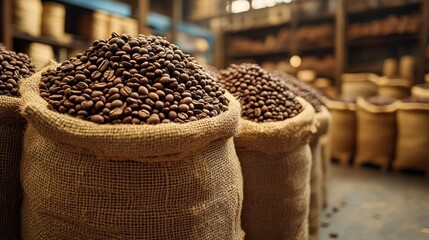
x,y
28,16
316,176
393,88
11,132
94,25
343,131
420,92
83,180
376,133
53,20
358,84
412,146
275,158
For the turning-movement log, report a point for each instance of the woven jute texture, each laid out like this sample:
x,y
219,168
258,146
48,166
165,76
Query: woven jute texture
x,y
276,158
82,180
343,131
376,133
316,176
11,133
412,151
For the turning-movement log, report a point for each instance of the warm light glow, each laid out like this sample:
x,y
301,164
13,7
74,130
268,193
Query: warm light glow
x,y
295,61
258,4
238,6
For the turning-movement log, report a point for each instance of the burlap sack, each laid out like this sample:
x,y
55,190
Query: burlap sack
x,y
376,133
82,180
316,176
412,151
393,88
11,133
358,84
343,131
275,158
419,92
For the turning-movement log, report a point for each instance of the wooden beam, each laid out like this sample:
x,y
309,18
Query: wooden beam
x,y
340,42
176,19
143,12
6,24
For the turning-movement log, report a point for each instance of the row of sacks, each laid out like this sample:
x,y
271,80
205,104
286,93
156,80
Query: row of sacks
x,y
216,178
381,131
368,84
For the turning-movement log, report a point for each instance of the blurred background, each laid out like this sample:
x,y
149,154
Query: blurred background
x,y
315,40
344,48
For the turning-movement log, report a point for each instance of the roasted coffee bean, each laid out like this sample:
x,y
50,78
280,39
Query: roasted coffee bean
x,y
132,80
262,95
13,67
299,88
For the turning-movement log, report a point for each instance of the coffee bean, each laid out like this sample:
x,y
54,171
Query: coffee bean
x,y
143,114
153,119
301,89
126,91
103,66
116,113
261,94
153,96
117,103
97,119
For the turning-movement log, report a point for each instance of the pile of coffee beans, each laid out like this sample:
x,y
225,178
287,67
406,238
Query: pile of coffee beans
x,y
133,80
13,67
380,100
302,89
263,97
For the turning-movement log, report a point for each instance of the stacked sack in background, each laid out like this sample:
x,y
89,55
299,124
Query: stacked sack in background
x,y
376,131
343,131
320,161
273,148
13,68
133,143
412,150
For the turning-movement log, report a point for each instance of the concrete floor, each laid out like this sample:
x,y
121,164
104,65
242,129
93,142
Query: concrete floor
x,y
376,206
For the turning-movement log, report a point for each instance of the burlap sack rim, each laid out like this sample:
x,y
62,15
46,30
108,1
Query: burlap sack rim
x,y
363,104
323,120
9,109
339,105
276,137
413,106
418,91
125,142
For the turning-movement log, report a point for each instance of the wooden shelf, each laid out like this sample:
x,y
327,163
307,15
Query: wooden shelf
x,y
315,47
316,18
364,68
381,40
304,48
259,53
385,9
73,44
